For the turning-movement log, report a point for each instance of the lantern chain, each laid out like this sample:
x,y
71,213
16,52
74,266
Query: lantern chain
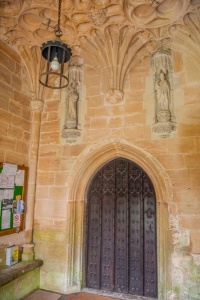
x,y
58,32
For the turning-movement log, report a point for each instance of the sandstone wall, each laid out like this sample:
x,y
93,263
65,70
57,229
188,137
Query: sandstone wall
x,y
15,121
61,197
108,130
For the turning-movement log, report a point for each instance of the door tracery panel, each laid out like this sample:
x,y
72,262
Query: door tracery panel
x,y
121,230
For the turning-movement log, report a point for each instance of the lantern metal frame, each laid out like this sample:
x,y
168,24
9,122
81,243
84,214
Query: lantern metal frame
x,y
55,79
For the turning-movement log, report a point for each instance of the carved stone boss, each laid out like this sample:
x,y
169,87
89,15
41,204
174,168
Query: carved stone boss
x,y
72,126
164,112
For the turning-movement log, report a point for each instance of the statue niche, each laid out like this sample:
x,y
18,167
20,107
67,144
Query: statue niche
x,y
72,124
162,74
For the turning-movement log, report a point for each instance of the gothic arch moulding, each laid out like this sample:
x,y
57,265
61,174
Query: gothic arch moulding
x,y
86,166
93,158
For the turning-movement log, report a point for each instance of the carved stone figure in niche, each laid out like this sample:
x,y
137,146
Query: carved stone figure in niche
x,y
73,103
72,99
162,73
162,88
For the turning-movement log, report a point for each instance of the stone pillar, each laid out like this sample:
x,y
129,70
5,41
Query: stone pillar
x,y
37,107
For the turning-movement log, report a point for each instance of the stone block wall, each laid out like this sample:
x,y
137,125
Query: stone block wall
x,y
64,170
15,121
14,109
60,206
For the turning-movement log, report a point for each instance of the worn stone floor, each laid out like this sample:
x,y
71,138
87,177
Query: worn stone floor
x,y
43,295
84,295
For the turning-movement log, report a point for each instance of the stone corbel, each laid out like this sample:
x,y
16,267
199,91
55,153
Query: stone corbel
x,y
71,135
37,105
114,96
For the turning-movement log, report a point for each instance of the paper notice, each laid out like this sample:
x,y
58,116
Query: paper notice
x,y
9,169
19,178
8,194
1,194
16,220
5,219
7,181
7,201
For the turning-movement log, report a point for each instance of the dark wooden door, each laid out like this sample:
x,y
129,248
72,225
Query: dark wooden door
x,y
121,230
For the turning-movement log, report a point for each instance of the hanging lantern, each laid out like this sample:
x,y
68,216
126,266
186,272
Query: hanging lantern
x,y
55,55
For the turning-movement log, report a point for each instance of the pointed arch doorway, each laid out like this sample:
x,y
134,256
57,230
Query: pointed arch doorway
x,y
121,230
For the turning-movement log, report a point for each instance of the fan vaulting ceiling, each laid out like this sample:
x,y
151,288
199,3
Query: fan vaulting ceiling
x,y
110,35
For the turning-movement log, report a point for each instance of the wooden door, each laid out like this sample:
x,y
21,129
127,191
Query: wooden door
x,y
121,230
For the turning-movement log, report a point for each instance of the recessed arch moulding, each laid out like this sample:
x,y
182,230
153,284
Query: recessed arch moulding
x,y
91,160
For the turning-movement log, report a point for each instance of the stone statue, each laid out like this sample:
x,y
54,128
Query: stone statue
x,y
73,102
163,94
72,99
162,88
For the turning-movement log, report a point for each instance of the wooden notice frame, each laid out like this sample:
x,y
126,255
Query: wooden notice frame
x,y
18,190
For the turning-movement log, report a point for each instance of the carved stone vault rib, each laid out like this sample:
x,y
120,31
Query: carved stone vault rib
x,y
114,52
30,55
187,36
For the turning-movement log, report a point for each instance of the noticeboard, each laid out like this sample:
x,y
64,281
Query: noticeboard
x,y
13,189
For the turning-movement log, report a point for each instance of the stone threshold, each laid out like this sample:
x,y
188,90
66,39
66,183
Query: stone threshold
x,y
10,273
115,295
